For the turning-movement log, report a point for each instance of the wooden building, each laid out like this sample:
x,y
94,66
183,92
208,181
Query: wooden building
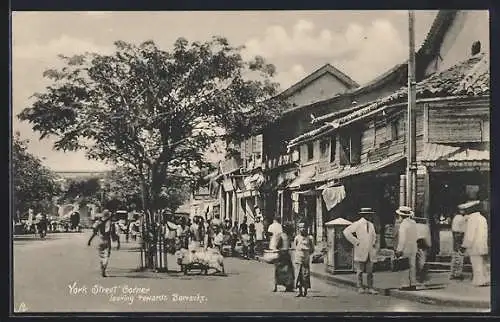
x,y
367,148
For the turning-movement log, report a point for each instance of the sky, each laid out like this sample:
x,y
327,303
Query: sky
x,y
362,44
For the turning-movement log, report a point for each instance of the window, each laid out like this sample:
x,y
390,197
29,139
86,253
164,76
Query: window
x,y
323,147
350,148
310,151
394,134
333,148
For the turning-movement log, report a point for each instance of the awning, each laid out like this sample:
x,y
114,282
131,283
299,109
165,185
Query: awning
x,y
454,156
254,181
305,177
434,152
360,169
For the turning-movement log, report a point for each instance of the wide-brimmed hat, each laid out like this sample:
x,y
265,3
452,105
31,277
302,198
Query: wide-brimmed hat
x,y
405,211
366,211
468,205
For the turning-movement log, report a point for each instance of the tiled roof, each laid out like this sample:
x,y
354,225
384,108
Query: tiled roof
x,y
358,169
469,78
427,51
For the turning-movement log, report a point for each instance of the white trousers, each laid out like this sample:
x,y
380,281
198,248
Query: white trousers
x,y
480,276
410,279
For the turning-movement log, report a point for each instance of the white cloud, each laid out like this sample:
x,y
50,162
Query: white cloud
x,y
290,77
63,45
362,52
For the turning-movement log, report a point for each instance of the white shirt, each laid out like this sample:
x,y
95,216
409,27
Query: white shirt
x,y
458,224
275,228
259,230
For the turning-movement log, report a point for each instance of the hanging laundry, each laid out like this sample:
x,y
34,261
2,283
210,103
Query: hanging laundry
x,y
333,196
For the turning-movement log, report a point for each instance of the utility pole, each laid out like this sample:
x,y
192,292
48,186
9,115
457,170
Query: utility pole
x,y
411,158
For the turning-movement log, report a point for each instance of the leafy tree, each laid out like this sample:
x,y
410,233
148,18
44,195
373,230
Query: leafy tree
x,y
123,188
34,185
154,112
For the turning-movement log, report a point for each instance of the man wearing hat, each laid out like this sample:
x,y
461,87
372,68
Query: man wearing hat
x,y
105,228
259,230
407,243
362,235
476,241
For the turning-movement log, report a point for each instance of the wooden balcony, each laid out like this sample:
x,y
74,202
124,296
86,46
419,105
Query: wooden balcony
x,y
280,161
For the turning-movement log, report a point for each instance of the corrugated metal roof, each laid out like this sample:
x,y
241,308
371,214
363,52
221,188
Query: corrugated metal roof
x,y
433,151
470,155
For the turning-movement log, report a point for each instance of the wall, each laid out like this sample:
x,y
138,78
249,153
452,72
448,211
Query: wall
x,y
458,121
468,26
326,86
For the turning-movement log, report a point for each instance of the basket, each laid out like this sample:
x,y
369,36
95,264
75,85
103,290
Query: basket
x,y
270,256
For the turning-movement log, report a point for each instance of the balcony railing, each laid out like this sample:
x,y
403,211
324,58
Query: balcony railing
x,y
282,160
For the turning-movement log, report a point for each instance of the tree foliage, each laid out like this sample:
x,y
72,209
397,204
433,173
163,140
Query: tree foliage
x,y
34,185
123,188
152,111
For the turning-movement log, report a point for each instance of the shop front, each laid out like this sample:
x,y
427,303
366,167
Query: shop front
x,y
374,185
451,183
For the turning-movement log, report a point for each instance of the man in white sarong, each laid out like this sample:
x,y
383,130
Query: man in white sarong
x,y
476,242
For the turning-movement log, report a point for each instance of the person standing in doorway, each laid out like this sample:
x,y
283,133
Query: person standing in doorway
x,y
458,231
304,247
407,244
105,228
361,234
476,242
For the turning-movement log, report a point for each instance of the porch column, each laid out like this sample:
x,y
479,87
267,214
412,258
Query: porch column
x,y
402,190
319,219
227,214
235,207
423,207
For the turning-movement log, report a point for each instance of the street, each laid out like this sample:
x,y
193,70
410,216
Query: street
x,y
60,274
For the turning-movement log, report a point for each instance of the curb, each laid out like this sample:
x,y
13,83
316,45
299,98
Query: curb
x,y
408,295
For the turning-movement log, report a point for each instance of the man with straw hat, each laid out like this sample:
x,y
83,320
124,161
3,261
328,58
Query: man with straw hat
x,y
362,235
105,228
407,243
476,242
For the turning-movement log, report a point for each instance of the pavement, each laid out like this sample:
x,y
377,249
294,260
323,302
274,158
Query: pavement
x,y
61,274
440,290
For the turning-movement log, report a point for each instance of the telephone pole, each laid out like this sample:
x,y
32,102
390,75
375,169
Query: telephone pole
x,y
411,158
